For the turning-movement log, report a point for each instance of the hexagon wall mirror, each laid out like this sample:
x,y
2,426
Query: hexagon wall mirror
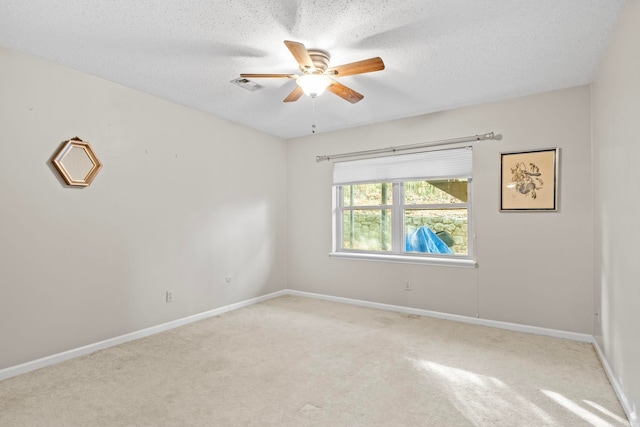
x,y
77,163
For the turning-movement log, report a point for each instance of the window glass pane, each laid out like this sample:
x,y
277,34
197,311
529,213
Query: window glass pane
x,y
436,231
367,194
368,230
436,192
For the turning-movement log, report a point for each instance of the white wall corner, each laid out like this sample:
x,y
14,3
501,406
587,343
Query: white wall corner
x,y
622,397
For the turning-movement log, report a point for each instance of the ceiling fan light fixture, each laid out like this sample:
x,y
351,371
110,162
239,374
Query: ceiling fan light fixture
x,y
313,84
317,77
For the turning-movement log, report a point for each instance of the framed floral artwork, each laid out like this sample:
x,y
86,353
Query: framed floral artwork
x,y
529,180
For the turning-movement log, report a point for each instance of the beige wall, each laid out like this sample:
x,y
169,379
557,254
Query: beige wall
x,y
616,148
183,200
533,267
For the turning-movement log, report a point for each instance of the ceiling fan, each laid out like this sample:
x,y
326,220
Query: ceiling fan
x,y
316,76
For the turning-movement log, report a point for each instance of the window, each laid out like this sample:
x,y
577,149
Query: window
x,y
411,207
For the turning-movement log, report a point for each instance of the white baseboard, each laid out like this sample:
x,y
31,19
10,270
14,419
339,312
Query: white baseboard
x,y
256,300
458,318
92,348
626,405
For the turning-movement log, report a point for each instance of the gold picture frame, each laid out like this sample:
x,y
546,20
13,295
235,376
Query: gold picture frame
x,y
76,162
529,180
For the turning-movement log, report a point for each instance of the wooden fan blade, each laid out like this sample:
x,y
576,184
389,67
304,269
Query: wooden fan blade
x,y
294,95
345,93
359,67
267,76
301,54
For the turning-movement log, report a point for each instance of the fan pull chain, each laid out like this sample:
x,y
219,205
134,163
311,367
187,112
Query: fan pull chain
x,y
313,124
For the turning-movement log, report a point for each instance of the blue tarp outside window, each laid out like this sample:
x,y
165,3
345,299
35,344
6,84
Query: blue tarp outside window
x,y
423,239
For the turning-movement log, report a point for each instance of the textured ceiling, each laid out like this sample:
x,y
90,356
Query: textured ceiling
x,y
439,54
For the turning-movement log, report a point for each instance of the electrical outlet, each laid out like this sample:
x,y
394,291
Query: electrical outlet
x,y
169,296
407,285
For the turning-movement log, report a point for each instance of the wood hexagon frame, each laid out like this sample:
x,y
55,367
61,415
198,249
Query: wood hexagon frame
x,y
77,163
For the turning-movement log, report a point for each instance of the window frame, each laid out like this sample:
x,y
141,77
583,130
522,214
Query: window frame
x,y
339,204
398,208
440,206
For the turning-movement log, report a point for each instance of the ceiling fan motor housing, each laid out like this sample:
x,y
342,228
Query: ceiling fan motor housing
x,y
320,60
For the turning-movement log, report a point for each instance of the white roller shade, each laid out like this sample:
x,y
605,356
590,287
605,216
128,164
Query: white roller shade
x,y
447,163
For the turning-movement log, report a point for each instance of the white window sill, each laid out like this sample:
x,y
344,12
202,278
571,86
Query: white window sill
x,y
404,259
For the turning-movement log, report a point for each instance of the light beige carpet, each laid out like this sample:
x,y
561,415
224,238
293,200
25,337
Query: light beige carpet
x,y
294,361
